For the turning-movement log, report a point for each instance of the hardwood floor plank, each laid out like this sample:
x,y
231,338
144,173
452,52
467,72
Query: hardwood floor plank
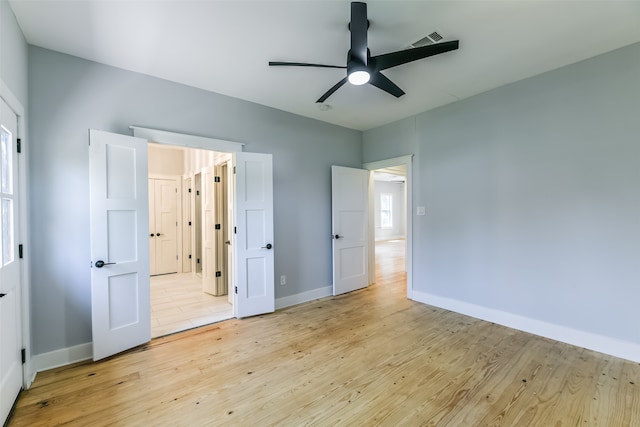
x,y
371,357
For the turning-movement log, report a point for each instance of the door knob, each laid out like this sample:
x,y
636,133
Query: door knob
x,y
100,263
158,234
151,235
269,246
337,236
1,295
228,242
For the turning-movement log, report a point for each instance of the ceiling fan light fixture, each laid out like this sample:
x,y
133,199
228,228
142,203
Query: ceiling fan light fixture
x,y
359,77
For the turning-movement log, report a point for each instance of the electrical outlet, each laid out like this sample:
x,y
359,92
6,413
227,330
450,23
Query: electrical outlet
x,y
283,280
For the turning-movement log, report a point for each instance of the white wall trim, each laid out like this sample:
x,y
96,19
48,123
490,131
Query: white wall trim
x,y
303,297
192,141
62,357
612,346
387,238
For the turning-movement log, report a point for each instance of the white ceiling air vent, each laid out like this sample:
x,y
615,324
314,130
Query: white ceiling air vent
x,y
432,38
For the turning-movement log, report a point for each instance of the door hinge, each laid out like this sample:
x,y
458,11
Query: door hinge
x,y
218,273
198,261
189,190
216,179
218,226
197,192
235,231
236,289
19,145
23,354
234,169
176,257
189,223
20,254
189,256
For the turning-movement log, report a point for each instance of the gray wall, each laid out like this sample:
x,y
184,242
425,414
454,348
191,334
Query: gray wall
x,y
13,54
532,194
69,95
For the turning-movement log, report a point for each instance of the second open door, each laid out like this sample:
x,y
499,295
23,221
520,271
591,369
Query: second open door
x,y
350,225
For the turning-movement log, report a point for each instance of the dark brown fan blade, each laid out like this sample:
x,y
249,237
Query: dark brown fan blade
x,y
382,82
358,27
393,59
302,64
333,89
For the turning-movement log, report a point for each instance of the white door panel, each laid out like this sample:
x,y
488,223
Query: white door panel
x,y
208,231
163,224
10,289
187,226
152,227
349,204
119,206
253,242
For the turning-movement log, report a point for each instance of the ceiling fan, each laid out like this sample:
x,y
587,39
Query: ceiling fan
x,y
363,68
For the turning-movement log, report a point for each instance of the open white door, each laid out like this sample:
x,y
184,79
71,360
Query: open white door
x,y
119,206
253,238
10,288
350,222
208,198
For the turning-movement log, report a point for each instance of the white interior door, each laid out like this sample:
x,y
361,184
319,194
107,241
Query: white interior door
x,y
119,206
253,239
10,289
152,227
229,237
350,222
163,225
208,231
187,225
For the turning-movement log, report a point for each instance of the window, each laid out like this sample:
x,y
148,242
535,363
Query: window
x,y
386,212
6,195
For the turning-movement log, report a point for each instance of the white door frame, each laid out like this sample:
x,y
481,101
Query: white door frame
x,y
380,164
5,93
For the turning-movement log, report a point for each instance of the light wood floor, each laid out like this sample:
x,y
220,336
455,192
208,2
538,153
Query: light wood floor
x,y
371,357
178,303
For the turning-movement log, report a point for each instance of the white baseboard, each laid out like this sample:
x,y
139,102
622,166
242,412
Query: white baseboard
x,y
303,297
64,356
387,238
612,346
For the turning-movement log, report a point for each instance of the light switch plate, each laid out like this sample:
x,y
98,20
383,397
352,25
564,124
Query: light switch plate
x,y
420,210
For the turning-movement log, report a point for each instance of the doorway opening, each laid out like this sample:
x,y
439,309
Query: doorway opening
x,y
401,167
390,225
189,237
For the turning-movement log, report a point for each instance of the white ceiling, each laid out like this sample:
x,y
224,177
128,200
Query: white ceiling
x,y
224,46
